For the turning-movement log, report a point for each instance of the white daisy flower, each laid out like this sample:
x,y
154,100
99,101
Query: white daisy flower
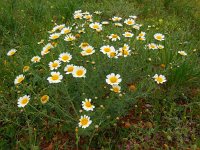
x,y
79,72
115,18
160,79
97,26
84,121
159,36
116,88
56,77
114,37
128,34
35,59
69,69
152,46
54,65
19,79
89,50
87,105
66,30
54,36
113,79
69,38
23,101
65,57
11,52
107,49
129,22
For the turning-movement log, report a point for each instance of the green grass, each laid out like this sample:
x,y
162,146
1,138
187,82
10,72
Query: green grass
x,y
152,116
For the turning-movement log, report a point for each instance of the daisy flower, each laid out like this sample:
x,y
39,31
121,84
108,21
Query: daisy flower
x,y
35,59
124,52
84,121
26,68
116,88
89,50
107,49
44,99
65,57
69,69
142,34
88,17
23,101
116,18
66,30
118,24
136,26
152,46
113,54
129,22
19,79
160,46
113,79
46,49
54,65
69,37
159,36
58,27
183,53
11,52
87,105
83,45
134,17
128,34
79,72
160,79
56,77
114,37
54,36
78,15
97,26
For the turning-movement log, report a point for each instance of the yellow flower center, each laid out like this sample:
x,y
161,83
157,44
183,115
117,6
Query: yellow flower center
x,y
36,59
129,22
70,68
159,79
54,36
55,65
88,104
79,72
65,57
113,79
112,54
12,53
114,36
107,49
20,79
84,44
84,121
55,77
95,26
116,89
66,31
24,101
125,52
89,50
141,34
159,37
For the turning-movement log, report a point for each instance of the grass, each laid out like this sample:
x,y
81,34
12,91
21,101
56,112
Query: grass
x,y
146,116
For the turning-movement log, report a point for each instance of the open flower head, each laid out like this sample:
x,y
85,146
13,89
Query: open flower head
x,y
66,30
87,105
65,57
69,69
114,37
79,72
107,49
160,79
159,36
11,52
54,65
96,26
129,22
84,121
128,34
116,88
55,77
23,101
19,79
89,50
35,59
54,36
113,79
